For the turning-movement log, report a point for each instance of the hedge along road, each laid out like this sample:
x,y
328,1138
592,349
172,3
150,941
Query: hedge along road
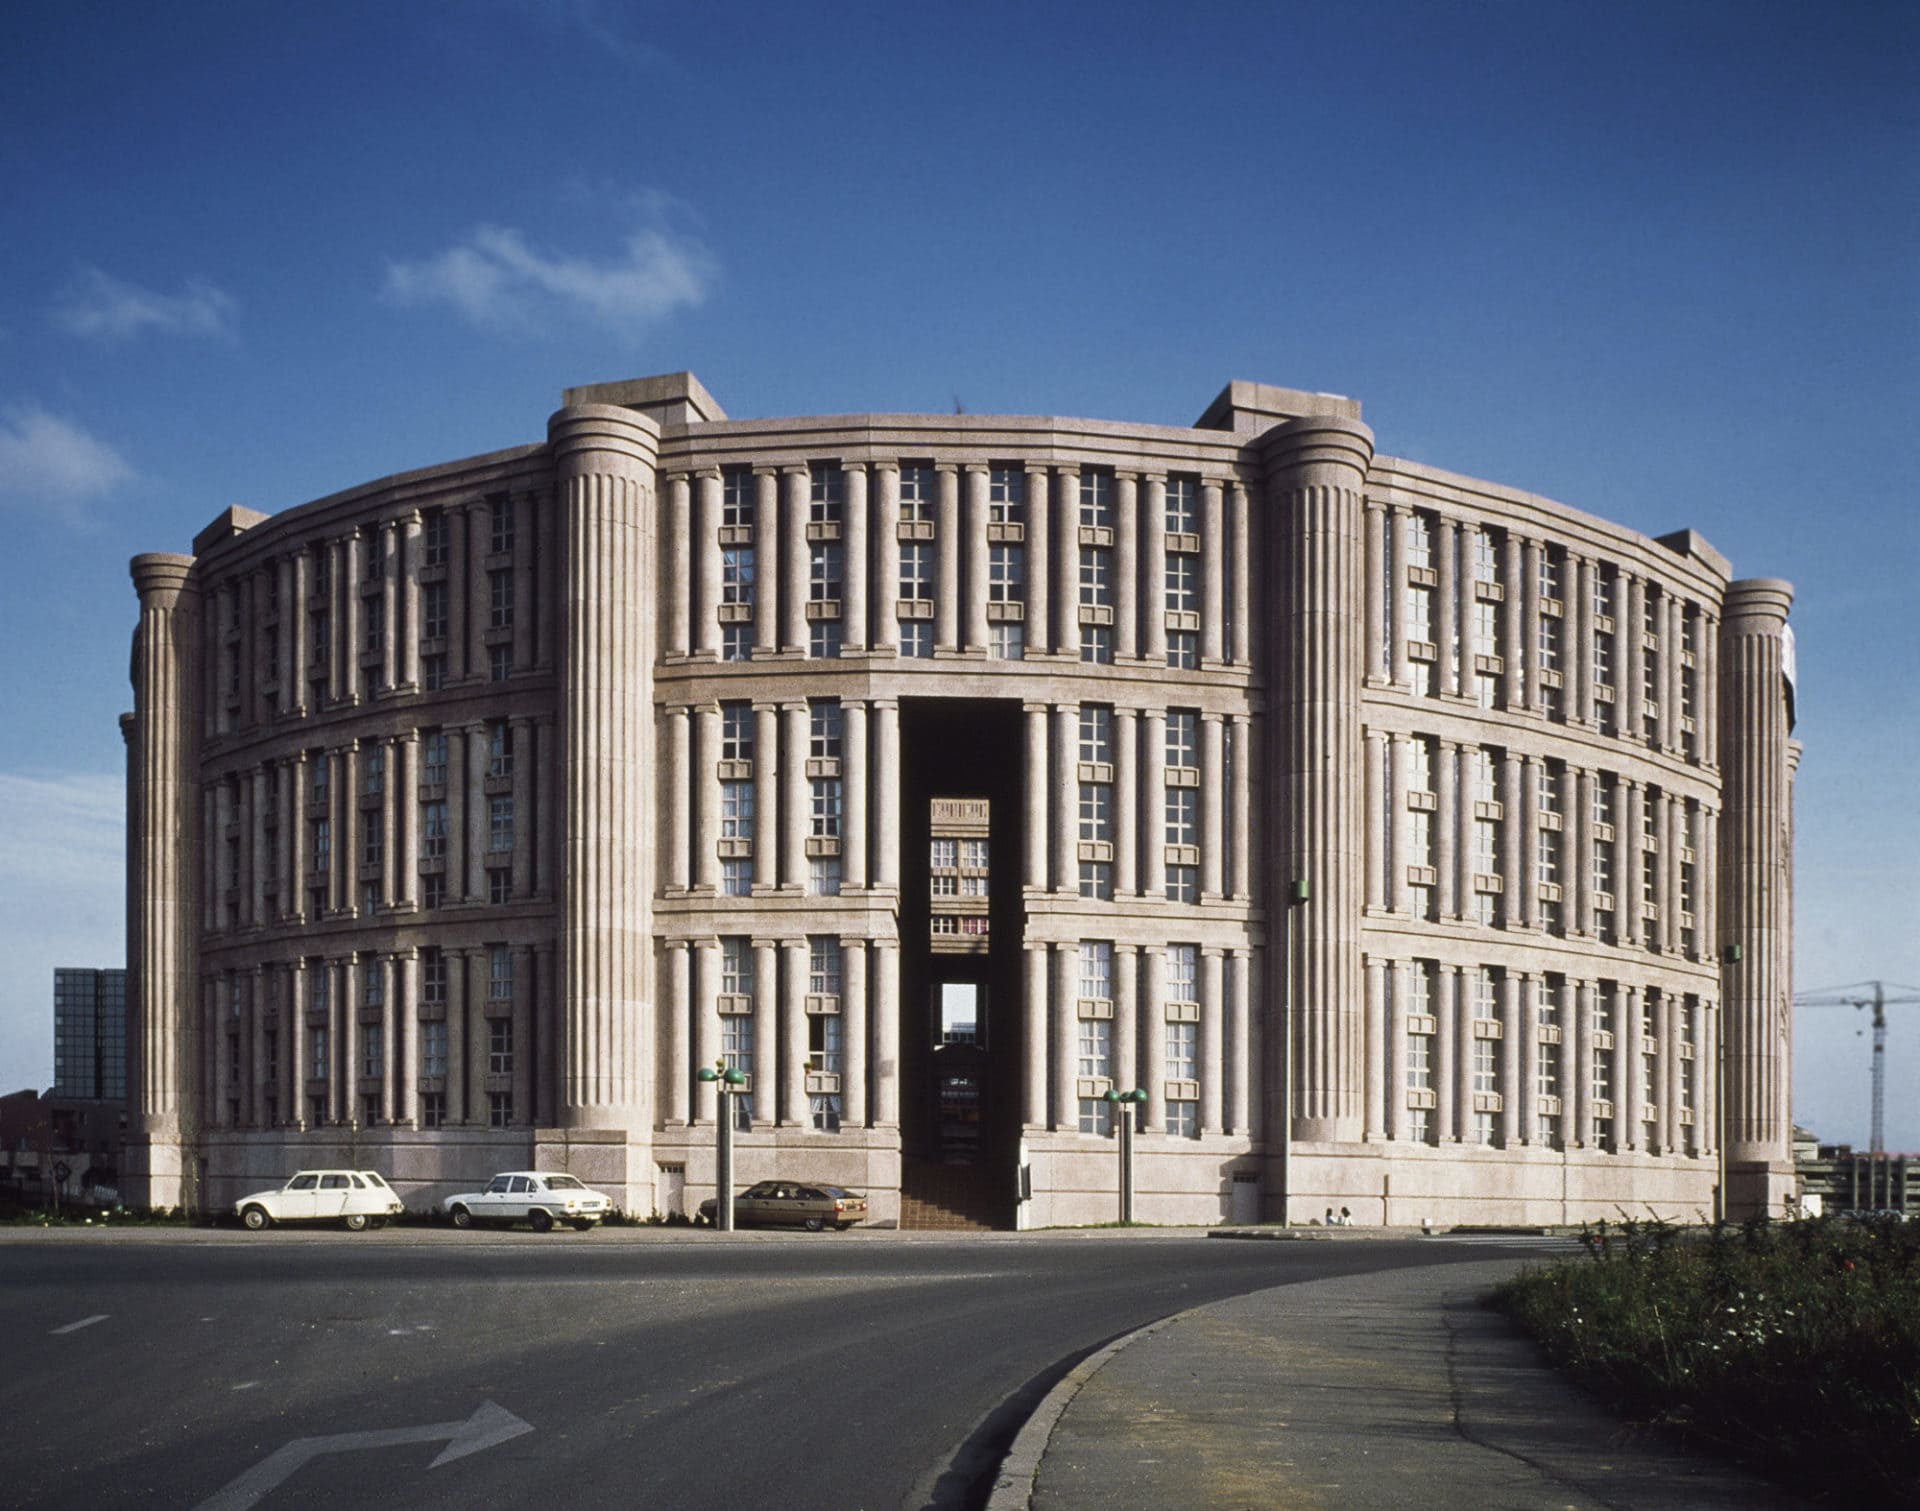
x,y
866,1370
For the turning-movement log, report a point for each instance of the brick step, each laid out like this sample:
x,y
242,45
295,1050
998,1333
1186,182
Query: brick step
x,y
955,1198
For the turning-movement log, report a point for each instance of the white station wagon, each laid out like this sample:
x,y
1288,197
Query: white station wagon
x,y
529,1196
357,1198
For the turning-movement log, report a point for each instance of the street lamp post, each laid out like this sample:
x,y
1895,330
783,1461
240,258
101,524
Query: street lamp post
x,y
729,1084
1123,1103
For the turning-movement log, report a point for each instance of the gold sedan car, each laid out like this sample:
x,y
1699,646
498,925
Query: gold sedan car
x,y
793,1204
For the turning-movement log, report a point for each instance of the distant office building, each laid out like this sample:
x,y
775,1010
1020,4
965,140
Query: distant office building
x,y
90,1034
1413,844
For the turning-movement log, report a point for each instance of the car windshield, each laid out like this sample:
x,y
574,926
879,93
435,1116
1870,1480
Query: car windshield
x,y
563,1183
835,1191
303,1182
374,1178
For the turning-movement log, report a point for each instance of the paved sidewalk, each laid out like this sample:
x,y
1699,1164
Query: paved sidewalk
x,y
1377,1391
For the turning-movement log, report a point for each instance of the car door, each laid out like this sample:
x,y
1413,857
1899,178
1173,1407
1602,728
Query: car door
x,y
294,1203
332,1200
758,1204
491,1205
520,1197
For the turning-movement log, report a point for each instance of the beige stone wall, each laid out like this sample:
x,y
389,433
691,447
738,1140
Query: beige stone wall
x,y
1403,725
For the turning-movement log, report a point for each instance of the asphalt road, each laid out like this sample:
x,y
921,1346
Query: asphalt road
x,y
870,1370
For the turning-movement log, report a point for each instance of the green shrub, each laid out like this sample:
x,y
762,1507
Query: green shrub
x,y
1793,1345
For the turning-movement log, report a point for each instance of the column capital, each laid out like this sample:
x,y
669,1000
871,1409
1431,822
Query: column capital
x,y
795,469
884,464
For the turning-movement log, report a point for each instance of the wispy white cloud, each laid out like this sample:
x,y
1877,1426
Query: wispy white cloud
x,y
103,307
57,830
497,279
53,465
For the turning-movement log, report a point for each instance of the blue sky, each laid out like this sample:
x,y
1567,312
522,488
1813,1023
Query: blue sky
x,y
1655,261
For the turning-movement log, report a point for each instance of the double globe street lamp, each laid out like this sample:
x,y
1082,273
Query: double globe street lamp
x,y
730,1083
1123,1104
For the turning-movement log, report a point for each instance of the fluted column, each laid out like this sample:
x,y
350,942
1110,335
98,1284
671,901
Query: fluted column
x,y
1153,1035
1065,791
1395,1123
1579,1078
1213,574
1630,642
1580,572
1213,1064
706,798
1240,808
853,611
676,1049
1063,1059
1035,1043
1127,834
404,1043
705,1015
604,457
795,796
1629,841
684,543
1126,567
766,1018
1577,802
1399,527
477,818
1039,634
949,547
1240,569
1446,1037
795,1110
675,797
1379,1068
886,857
853,1033
885,592
1447,602
1213,797
766,559
974,608
1514,625
1153,572
473,628
885,985
1399,829
1038,776
1450,897
1755,891
1378,666
767,769
795,558
1316,473
1065,513
854,763
1126,1016
1153,804
1513,1062
162,945
1238,1003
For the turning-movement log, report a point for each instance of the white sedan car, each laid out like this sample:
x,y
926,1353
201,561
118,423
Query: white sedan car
x,y
529,1196
358,1198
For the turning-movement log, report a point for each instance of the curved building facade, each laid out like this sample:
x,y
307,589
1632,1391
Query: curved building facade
x,y
1413,845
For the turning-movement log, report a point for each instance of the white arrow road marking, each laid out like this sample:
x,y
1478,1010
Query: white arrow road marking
x,y
486,1428
74,1327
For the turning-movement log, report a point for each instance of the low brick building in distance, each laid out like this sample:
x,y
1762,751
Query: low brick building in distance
x,y
1416,845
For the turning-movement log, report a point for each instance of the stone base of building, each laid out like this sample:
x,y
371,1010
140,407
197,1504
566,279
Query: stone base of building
x,y
865,1160
1408,1185
160,1172
1762,1188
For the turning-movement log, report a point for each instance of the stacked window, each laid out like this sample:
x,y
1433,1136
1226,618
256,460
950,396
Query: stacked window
x,y
1096,566
1182,604
1183,1040
917,546
1417,604
736,1017
1550,844
1419,1070
1182,825
1096,1035
1603,856
1601,1066
1096,801
735,774
1547,1107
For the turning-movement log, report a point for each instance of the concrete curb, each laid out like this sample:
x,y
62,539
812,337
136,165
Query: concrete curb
x,y
1013,1485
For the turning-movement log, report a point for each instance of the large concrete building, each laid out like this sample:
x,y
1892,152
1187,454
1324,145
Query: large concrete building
x,y
1416,845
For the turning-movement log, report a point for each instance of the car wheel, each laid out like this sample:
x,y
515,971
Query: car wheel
x,y
815,1224
462,1218
356,1223
841,1227
256,1218
541,1219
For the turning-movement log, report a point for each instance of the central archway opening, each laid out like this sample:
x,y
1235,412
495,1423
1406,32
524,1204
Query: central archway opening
x,y
963,853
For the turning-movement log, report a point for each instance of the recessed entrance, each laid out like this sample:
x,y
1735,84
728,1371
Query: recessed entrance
x,y
961,920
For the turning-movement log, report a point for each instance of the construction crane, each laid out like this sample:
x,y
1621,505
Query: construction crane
x,y
1871,994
